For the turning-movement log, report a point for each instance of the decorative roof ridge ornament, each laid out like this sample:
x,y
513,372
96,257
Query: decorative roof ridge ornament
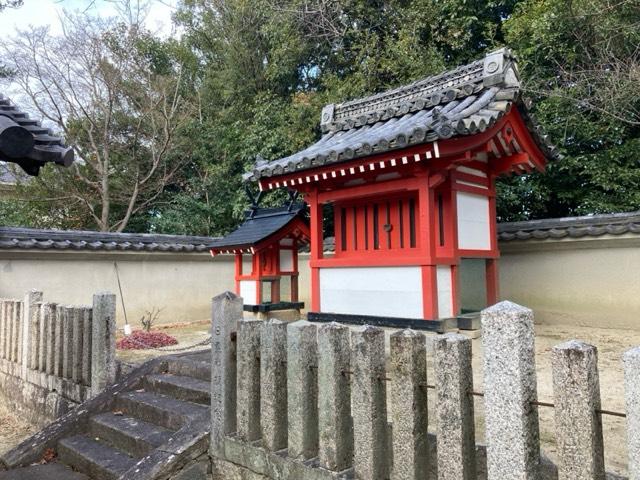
x,y
495,68
25,142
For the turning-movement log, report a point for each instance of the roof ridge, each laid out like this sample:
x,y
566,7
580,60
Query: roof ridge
x,y
427,92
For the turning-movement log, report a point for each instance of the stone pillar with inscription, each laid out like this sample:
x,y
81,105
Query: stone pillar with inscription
x,y
225,312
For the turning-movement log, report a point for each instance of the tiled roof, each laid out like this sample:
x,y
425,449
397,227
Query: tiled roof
x,y
25,142
35,239
258,226
571,227
459,102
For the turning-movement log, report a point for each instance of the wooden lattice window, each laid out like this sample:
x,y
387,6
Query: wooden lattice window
x,y
376,224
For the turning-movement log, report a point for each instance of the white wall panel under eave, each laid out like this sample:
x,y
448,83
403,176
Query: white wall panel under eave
x,y
248,290
380,291
474,232
286,260
445,291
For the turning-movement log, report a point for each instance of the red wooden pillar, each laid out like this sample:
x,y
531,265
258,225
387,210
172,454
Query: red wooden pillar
x,y
238,272
455,289
492,281
429,292
317,247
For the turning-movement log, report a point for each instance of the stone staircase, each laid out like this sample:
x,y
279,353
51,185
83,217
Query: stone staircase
x,y
149,426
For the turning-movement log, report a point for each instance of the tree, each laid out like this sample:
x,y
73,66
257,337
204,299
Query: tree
x,y
115,92
581,64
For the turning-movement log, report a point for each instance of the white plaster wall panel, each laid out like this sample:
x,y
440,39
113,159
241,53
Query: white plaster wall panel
x,y
381,291
286,260
472,171
445,291
474,232
248,291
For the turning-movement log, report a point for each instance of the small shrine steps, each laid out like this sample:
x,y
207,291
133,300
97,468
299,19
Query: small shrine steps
x,y
157,419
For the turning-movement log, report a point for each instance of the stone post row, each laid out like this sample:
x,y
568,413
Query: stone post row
x,y
249,379
103,342
302,389
226,310
512,428
368,389
408,406
631,362
273,379
576,390
334,403
454,407
29,334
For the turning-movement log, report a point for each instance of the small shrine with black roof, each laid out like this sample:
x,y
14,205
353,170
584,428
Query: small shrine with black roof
x,y
410,175
266,247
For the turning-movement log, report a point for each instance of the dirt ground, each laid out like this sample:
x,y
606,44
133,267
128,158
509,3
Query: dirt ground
x,y
12,429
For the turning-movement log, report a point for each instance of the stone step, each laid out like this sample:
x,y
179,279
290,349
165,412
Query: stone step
x,y
94,458
180,387
129,434
50,471
159,409
193,367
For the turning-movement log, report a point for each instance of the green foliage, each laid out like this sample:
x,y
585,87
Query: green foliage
x,y
582,68
259,72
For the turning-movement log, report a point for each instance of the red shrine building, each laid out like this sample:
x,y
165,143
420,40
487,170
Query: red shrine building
x,y
410,177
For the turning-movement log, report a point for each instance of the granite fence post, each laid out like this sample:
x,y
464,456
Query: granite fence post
x,y
58,346
631,363
31,299
16,332
87,329
334,398
78,343
3,328
67,341
408,405
51,320
46,335
226,310
249,379
368,390
512,428
454,407
576,390
302,389
11,329
103,342
273,379
34,331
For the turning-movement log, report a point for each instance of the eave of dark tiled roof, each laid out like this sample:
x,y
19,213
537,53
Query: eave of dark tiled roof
x,y
571,227
463,101
259,225
75,240
29,144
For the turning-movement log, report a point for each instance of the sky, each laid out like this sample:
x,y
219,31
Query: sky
x,y
48,12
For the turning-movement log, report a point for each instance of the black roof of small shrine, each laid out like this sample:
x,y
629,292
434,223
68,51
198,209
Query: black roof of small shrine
x,y
259,225
36,144
463,101
79,240
571,227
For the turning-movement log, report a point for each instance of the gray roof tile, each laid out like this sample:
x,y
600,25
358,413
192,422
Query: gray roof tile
x,y
463,101
571,227
76,240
